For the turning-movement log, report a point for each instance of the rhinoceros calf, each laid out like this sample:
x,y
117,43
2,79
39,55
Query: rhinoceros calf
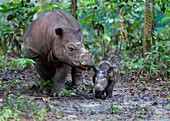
x,y
103,80
55,42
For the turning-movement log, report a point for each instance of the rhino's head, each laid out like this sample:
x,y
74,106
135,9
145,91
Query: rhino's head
x,y
68,47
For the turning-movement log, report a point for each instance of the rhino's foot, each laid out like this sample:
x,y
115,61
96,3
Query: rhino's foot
x,y
78,81
58,90
61,94
99,95
43,90
109,95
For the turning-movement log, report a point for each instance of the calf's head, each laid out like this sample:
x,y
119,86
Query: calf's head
x,y
101,79
68,47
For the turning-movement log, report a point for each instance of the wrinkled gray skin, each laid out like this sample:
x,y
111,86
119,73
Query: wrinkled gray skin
x,y
55,42
103,80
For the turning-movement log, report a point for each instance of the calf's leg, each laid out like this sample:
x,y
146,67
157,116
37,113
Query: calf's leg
x,y
109,90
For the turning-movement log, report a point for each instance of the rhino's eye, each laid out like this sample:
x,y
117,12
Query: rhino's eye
x,y
71,48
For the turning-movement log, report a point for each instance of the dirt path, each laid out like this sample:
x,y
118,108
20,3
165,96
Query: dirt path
x,y
132,100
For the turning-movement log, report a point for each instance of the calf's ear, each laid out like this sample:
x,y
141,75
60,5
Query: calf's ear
x,y
110,70
95,68
59,31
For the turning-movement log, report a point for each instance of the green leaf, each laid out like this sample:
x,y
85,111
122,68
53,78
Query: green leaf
x,y
51,106
64,90
166,18
3,6
72,94
36,9
21,97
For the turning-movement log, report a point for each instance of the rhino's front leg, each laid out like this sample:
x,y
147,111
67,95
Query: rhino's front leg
x,y
110,89
76,74
45,72
59,79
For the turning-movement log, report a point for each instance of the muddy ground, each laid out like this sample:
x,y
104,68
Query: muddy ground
x,y
133,99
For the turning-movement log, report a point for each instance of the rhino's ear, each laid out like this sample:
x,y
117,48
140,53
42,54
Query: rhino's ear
x,y
79,29
95,68
110,70
59,31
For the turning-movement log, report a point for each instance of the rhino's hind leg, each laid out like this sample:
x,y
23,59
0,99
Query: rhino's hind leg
x,y
76,74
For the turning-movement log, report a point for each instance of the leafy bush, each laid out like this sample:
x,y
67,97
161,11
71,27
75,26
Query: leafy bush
x,y
112,27
154,65
16,16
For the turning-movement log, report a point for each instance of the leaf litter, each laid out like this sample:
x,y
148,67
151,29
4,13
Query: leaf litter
x,y
132,100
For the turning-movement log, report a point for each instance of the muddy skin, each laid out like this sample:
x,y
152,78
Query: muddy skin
x,y
103,80
55,42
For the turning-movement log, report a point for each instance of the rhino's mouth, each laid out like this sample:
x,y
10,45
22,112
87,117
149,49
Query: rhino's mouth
x,y
86,60
78,64
85,67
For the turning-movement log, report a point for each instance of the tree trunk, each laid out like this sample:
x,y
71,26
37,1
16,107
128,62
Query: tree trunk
x,y
74,8
147,30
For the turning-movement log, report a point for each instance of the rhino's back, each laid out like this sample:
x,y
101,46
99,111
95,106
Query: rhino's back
x,y
104,65
70,19
36,41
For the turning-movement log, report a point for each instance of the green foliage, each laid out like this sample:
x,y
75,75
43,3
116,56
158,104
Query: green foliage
x,y
115,109
16,16
51,5
102,24
155,64
15,83
21,63
2,63
91,89
167,15
42,83
68,93
110,119
17,107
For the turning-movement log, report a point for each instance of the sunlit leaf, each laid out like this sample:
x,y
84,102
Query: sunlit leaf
x,y
166,96
138,80
46,99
